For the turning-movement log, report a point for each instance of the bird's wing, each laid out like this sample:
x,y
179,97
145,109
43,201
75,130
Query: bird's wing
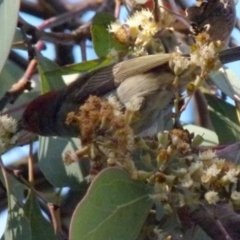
x,y
105,80
139,65
96,83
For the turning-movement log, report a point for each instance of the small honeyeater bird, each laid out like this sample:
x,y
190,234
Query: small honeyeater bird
x,y
146,81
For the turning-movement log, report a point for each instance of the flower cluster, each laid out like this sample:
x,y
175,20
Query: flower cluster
x,y
179,175
105,133
139,29
185,178
202,60
8,136
170,163
204,53
179,63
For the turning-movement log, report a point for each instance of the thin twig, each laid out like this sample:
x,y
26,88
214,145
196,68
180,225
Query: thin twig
x,y
55,216
117,8
33,8
202,117
30,164
16,174
156,12
83,50
178,15
4,172
23,84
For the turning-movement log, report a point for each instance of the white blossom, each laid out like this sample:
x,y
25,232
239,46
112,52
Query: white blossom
x,y
212,171
140,28
211,197
195,166
8,124
187,181
114,27
205,55
207,155
235,197
161,192
180,63
231,175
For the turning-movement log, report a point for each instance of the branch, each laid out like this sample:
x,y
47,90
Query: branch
x,y
17,59
201,114
54,7
230,55
23,84
33,8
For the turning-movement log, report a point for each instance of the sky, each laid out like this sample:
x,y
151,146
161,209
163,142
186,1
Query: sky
x,y
15,154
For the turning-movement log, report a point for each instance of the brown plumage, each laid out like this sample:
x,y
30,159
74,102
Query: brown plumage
x,y
146,80
216,17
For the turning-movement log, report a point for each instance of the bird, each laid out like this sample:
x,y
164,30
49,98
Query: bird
x,y
145,80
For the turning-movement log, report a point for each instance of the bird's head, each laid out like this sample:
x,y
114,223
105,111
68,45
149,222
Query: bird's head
x,y
39,114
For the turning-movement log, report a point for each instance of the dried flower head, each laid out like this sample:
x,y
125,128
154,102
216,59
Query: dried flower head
x,y
106,135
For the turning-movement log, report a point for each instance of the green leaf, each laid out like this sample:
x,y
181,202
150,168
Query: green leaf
x,y
115,207
10,74
8,21
210,137
103,41
227,81
40,227
14,187
224,119
54,81
82,66
18,42
51,153
18,226
18,36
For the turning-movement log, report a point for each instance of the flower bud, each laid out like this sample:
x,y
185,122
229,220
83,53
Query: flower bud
x,y
235,197
163,138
